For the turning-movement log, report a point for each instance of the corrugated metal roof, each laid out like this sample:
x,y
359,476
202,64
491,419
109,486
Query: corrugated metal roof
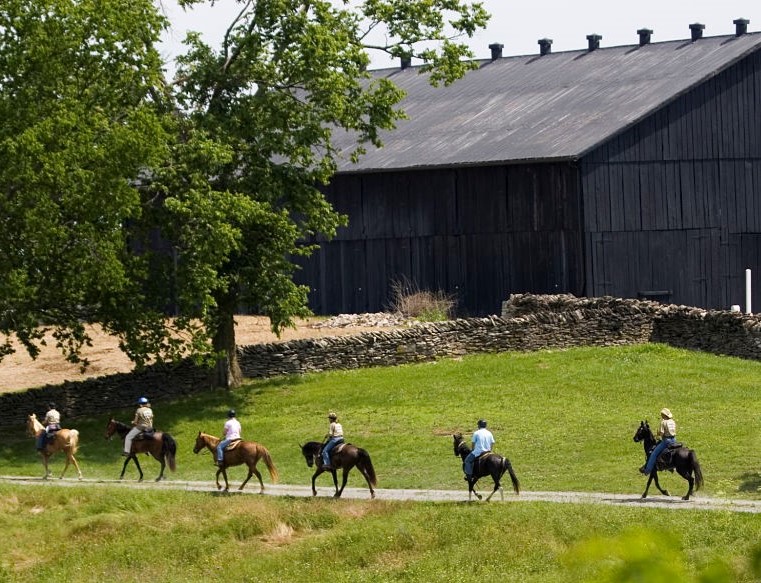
x,y
556,106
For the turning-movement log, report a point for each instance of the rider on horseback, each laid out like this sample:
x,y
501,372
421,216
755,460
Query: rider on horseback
x,y
230,432
482,440
334,436
52,423
667,433
143,421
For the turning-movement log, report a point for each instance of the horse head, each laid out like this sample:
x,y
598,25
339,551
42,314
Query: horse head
x,y
200,442
110,428
310,450
457,442
643,431
33,426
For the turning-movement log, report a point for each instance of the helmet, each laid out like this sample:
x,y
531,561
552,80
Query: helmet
x,y
142,401
332,416
231,413
481,423
51,405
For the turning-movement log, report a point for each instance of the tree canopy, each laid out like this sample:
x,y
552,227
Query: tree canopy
x,y
128,195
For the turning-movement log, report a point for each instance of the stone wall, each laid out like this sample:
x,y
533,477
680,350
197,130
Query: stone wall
x,y
528,322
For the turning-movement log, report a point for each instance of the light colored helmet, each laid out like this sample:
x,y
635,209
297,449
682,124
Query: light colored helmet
x,y
332,416
142,401
666,413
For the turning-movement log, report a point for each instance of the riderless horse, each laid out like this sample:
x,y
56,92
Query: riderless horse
x,y
65,440
237,453
488,464
159,444
344,456
676,457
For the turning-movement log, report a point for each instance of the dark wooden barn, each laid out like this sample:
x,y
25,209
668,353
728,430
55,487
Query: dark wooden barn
x,y
629,171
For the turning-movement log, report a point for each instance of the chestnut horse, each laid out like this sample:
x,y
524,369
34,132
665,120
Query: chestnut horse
x,y
681,459
237,453
160,445
346,458
65,440
489,464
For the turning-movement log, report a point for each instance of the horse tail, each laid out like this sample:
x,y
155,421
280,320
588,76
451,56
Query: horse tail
x,y
269,463
696,469
169,450
73,441
506,465
367,464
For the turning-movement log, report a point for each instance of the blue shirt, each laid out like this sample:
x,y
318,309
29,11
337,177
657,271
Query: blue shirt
x,y
482,441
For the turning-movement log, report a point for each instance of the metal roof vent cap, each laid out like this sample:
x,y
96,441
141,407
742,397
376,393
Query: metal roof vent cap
x,y
697,31
496,51
645,35
545,46
741,26
594,41
406,62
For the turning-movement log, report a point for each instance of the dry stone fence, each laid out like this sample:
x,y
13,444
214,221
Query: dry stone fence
x,y
527,322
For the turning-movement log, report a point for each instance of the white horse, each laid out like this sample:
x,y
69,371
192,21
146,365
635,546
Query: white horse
x,y
65,440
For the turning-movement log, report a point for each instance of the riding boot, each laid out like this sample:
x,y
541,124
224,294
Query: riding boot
x,y
643,470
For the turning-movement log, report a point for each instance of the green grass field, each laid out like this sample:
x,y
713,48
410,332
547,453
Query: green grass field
x,y
565,419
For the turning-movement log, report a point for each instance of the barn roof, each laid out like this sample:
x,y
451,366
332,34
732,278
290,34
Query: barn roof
x,y
555,106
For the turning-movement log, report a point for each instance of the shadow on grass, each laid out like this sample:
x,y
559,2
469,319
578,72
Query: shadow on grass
x,y
750,482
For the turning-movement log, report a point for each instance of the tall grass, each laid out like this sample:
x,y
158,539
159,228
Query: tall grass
x,y
565,419
98,533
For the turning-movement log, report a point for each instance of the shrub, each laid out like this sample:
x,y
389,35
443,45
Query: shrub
x,y
423,305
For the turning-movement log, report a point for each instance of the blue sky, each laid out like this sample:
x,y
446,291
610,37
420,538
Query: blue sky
x,y
518,25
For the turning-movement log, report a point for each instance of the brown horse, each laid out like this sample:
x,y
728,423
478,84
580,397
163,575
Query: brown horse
x,y
237,453
159,444
346,458
65,440
489,464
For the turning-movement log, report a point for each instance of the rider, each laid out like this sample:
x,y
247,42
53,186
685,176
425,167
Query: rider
x,y
334,437
52,423
230,432
667,433
143,421
482,440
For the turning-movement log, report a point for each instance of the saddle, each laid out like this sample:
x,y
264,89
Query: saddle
x,y
148,434
233,444
664,461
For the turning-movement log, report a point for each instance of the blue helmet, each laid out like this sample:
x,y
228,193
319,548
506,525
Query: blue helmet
x,y
142,401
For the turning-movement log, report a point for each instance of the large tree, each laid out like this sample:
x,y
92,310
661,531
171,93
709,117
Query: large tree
x,y
225,192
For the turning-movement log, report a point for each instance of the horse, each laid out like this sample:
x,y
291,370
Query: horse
x,y
344,456
683,460
489,464
65,440
237,453
159,444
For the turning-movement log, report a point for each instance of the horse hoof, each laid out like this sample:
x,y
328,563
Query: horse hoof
x,y
666,493
685,497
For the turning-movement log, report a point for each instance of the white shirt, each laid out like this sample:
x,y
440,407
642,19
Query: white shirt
x,y
231,429
482,440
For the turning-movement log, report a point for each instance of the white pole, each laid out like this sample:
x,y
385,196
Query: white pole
x,y
747,292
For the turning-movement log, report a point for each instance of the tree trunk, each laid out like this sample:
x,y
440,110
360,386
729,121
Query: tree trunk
x,y
227,370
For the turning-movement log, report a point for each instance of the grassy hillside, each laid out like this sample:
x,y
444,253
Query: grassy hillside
x,y
565,419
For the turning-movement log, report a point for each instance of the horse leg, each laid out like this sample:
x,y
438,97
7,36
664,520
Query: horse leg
x,y
124,467
335,481
472,489
687,475
65,466
252,471
367,478
76,465
219,471
314,477
45,457
658,485
137,464
161,471
344,478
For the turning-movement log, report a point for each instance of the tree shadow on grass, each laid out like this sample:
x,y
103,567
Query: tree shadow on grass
x,y
750,482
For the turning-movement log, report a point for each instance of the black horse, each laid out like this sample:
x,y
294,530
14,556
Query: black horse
x,y
681,459
160,445
489,464
346,458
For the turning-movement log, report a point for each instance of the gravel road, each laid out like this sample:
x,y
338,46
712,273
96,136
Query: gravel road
x,y
673,502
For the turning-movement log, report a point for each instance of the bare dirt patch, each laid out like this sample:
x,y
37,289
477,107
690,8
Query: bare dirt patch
x,y
19,371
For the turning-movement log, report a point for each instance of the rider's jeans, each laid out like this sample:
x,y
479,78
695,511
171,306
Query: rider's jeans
x,y
665,442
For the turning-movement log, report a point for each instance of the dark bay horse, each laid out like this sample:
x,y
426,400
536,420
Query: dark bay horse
x,y
65,440
489,464
244,452
160,445
683,460
348,457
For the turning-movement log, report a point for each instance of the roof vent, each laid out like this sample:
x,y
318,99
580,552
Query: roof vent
x,y
406,62
697,31
545,46
496,51
741,26
644,36
594,41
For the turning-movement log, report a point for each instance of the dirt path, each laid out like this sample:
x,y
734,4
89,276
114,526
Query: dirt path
x,y
672,503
